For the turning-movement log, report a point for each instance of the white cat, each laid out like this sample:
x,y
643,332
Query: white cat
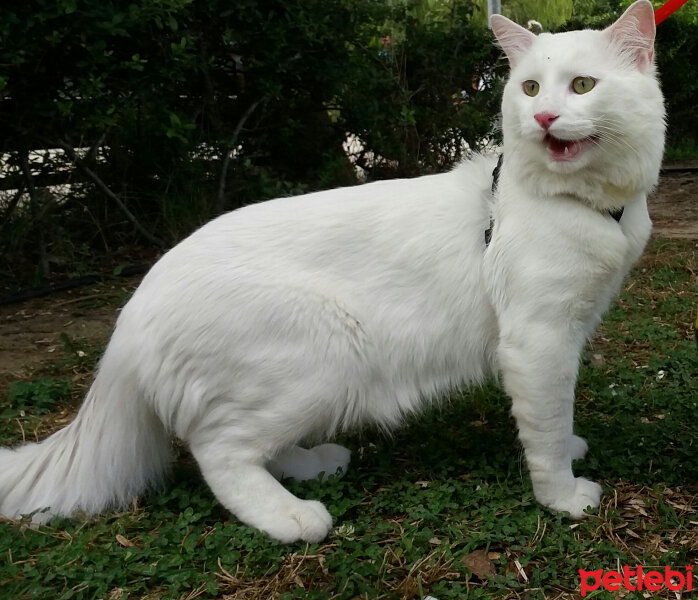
x,y
295,318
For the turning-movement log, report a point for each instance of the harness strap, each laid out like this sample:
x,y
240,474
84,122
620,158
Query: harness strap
x,y
495,182
616,214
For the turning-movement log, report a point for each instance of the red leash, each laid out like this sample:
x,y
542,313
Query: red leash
x,y
667,9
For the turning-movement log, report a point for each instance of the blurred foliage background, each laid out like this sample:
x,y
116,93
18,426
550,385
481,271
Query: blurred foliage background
x,y
124,126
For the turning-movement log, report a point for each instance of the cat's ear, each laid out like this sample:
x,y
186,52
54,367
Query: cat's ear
x,y
634,33
514,39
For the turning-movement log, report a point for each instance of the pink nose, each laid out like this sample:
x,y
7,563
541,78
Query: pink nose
x,y
545,119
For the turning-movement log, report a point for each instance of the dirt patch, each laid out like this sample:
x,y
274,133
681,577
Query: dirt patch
x,y
30,332
674,205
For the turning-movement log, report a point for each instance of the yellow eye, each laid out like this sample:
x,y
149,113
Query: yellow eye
x,y
531,87
582,85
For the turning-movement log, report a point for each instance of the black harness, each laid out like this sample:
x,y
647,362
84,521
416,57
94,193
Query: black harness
x,y
495,182
616,214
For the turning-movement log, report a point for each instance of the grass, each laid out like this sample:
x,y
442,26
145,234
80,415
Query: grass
x,y
685,149
444,508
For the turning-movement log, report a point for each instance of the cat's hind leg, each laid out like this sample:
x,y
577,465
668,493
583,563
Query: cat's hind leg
x,y
240,481
578,447
301,464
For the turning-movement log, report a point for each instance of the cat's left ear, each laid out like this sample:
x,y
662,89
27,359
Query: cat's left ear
x,y
514,39
634,33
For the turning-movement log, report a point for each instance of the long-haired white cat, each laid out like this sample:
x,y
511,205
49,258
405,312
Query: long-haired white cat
x,y
295,318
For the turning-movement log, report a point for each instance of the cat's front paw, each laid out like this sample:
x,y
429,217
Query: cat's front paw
x,y
585,494
578,447
304,520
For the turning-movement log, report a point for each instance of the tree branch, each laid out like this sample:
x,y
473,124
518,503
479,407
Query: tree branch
x,y
72,155
92,152
220,199
35,207
12,204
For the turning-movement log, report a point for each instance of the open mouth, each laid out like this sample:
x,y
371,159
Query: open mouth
x,y
567,150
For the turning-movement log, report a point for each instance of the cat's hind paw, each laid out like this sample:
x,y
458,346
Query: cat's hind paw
x,y
301,464
578,447
333,458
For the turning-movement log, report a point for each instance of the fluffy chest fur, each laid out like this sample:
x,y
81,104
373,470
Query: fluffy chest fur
x,y
557,262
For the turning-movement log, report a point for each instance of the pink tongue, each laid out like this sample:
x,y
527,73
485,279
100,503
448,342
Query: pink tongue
x,y
558,147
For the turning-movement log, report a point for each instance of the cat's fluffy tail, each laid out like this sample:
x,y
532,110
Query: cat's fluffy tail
x,y
114,449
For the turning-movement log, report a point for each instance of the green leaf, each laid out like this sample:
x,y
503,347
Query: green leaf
x,y
69,6
39,396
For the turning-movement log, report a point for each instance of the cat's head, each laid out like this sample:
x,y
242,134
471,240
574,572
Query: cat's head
x,y
582,111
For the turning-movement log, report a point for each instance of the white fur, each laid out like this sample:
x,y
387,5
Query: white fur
x,y
293,319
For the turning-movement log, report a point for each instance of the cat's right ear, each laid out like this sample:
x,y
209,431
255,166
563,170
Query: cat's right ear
x,y
514,39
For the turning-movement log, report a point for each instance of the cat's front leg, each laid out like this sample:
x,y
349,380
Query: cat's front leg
x,y
539,370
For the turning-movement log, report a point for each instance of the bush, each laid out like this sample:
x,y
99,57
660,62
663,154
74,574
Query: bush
x,y
677,57
181,110
163,114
